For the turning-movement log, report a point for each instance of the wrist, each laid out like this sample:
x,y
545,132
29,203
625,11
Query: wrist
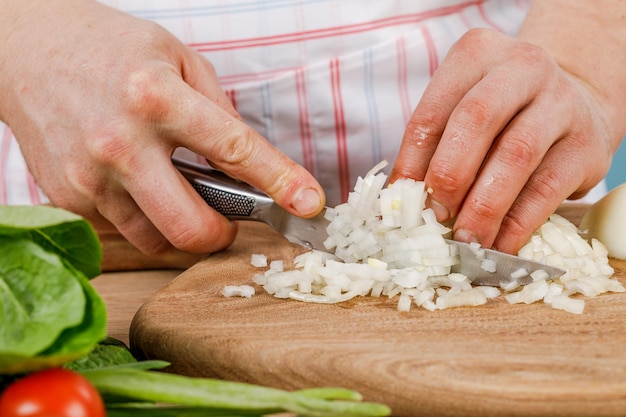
x,y
590,47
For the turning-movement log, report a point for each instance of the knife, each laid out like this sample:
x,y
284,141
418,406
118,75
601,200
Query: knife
x,y
240,201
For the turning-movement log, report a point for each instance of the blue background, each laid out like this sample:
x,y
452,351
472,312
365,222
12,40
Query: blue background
x,y
617,174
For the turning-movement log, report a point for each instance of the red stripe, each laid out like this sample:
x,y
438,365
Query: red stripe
x,y
330,32
340,130
255,76
230,93
4,157
433,58
403,83
308,156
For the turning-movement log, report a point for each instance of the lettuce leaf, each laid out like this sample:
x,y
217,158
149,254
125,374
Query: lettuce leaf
x,y
58,231
49,312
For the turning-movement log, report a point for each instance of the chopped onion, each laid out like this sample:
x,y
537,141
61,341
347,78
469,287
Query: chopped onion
x,y
387,243
238,290
258,260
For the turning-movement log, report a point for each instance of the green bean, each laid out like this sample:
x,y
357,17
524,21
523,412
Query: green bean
x,y
331,394
227,395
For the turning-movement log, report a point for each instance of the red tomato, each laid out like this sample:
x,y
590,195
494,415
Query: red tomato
x,y
53,392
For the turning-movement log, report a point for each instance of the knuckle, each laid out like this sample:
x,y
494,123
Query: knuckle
x,y
484,210
544,185
156,246
442,179
81,183
476,37
109,148
235,149
533,55
144,96
477,111
198,238
516,223
520,150
426,125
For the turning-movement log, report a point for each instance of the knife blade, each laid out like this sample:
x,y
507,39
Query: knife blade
x,y
509,268
240,201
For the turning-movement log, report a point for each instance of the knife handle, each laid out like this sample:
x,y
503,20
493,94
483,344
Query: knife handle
x,y
234,199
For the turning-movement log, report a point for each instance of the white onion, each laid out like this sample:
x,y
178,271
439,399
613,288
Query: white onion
x,y
238,290
258,260
387,243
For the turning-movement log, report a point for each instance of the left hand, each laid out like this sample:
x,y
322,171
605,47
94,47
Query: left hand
x,y
502,136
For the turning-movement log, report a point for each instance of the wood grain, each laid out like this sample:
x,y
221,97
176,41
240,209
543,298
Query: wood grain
x,y
493,360
124,292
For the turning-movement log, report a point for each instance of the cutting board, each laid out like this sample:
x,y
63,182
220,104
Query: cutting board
x,y
493,360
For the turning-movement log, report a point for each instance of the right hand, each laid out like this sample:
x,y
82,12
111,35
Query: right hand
x,y
99,100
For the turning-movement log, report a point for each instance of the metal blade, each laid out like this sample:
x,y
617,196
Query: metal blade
x,y
310,233
471,266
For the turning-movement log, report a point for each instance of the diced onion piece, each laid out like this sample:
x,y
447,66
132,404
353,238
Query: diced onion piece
x,y
539,275
488,265
258,260
238,290
404,303
277,265
563,302
519,273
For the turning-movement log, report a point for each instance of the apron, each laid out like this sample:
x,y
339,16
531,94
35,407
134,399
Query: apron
x,y
331,83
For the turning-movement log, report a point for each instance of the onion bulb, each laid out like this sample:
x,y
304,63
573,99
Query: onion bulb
x,y
606,221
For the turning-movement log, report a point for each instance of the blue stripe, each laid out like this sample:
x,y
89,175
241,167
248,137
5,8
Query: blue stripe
x,y
266,113
372,109
246,7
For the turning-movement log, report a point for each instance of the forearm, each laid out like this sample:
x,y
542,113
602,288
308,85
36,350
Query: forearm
x,y
588,40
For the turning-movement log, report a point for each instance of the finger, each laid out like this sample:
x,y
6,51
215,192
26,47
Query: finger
x,y
230,145
200,75
122,211
103,200
464,66
479,118
565,171
430,117
510,163
172,208
547,188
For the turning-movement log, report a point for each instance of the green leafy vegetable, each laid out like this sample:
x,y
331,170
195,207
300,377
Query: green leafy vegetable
x,y
111,353
37,299
49,312
58,231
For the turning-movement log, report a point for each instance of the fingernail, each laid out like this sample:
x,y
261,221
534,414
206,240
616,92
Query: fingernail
x,y
307,202
440,210
463,235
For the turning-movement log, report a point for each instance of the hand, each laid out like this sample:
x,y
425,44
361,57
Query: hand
x,y
99,100
502,136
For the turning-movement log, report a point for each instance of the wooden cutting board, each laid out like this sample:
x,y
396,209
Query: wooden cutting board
x,y
493,360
